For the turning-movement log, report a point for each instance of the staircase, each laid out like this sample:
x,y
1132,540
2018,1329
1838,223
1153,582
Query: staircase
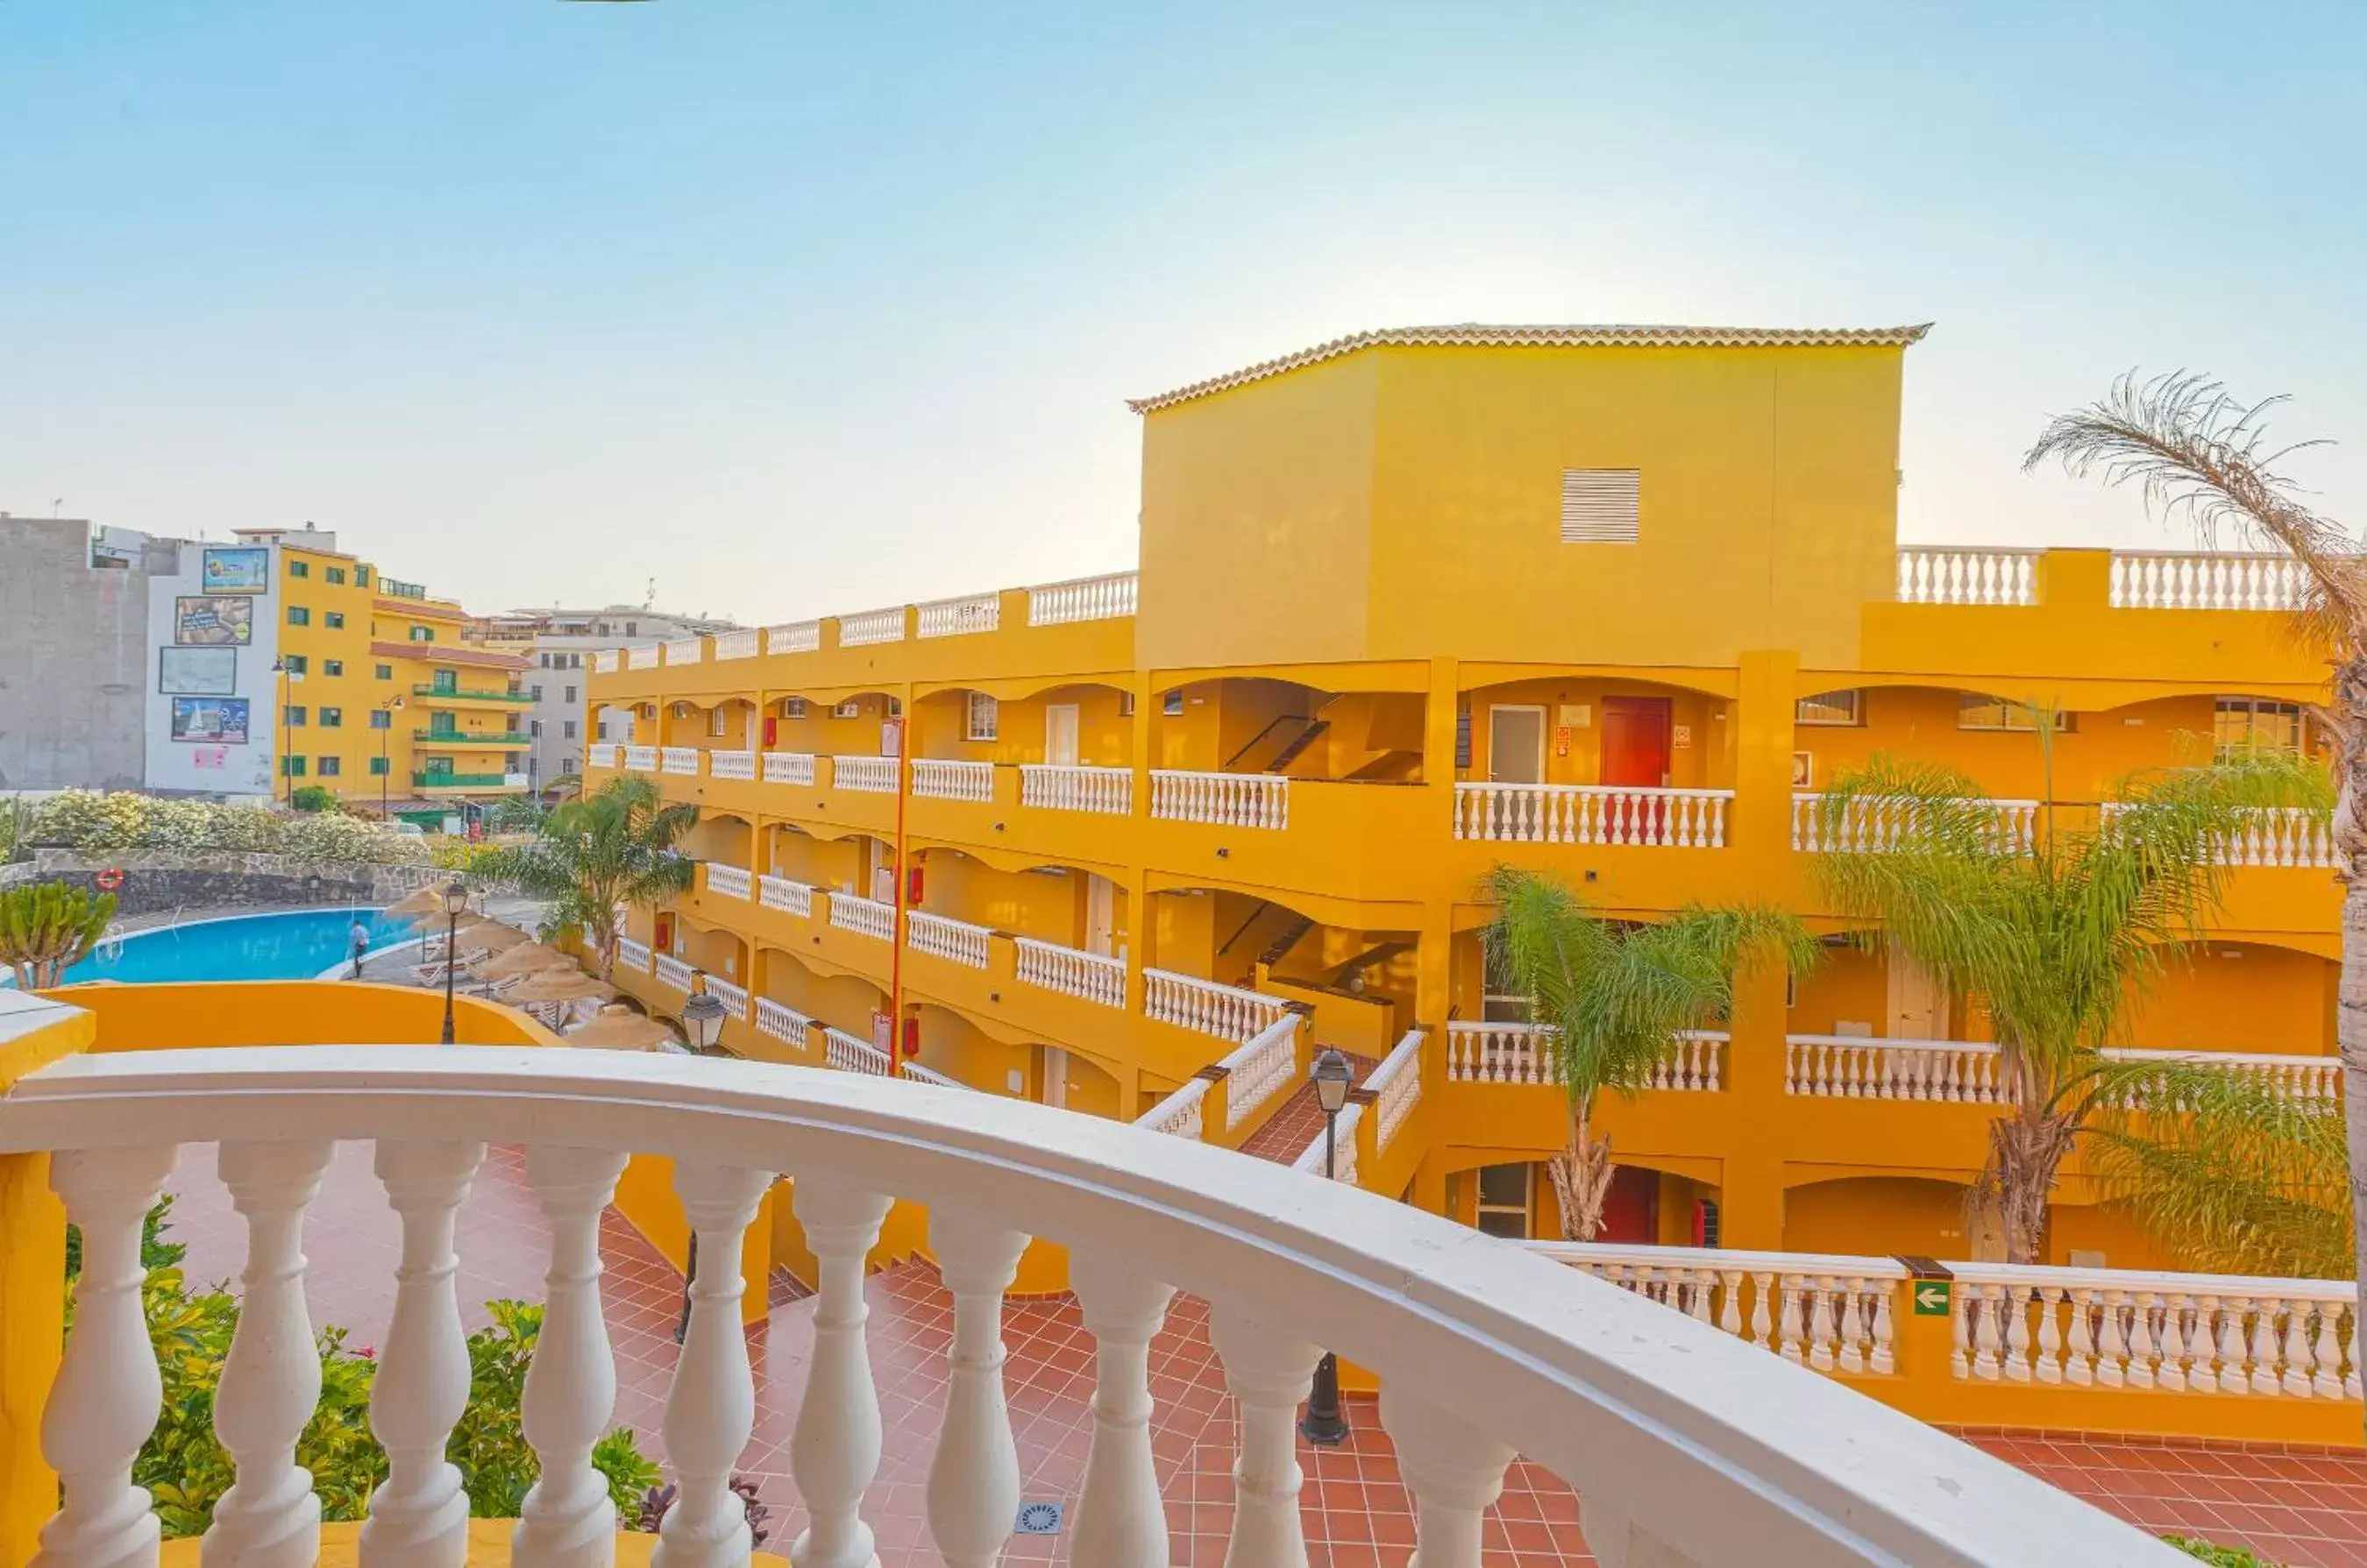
x,y
1345,975
1284,939
1299,742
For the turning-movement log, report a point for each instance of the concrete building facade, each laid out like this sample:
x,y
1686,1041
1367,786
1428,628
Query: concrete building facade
x,y
74,666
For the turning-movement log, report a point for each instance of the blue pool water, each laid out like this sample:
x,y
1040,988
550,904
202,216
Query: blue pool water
x,y
296,946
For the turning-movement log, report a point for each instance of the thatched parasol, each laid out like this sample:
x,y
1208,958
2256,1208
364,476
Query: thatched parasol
x,y
491,935
558,986
619,1028
417,905
528,958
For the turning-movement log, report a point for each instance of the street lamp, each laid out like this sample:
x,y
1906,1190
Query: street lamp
x,y
456,900
702,1019
279,731
392,705
1323,1423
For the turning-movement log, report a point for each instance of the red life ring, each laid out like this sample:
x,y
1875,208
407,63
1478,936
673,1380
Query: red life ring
x,y
109,880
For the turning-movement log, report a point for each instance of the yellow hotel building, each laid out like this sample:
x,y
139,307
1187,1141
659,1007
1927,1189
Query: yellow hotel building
x,y
1611,602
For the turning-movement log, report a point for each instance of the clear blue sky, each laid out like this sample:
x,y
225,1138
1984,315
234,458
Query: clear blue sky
x,y
801,308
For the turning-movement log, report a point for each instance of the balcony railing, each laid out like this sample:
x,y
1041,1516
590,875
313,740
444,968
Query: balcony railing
x,y
1088,976
793,637
733,998
633,955
1966,574
960,617
2186,580
642,656
1264,1066
2271,836
871,626
782,1022
1591,814
739,765
1523,1054
465,780
864,916
673,971
1875,824
1967,1072
679,760
682,650
1054,786
849,1054
727,881
600,754
424,689
488,738
738,645
1082,599
788,767
789,897
936,779
642,758
1226,1011
957,941
1396,1085
1684,1444
604,662
871,775
1229,800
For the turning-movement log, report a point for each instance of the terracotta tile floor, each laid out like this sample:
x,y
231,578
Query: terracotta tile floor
x,y
1298,1120
2305,1509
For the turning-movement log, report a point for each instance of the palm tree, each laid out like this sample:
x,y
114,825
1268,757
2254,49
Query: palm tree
x,y
594,857
1617,996
46,928
2057,936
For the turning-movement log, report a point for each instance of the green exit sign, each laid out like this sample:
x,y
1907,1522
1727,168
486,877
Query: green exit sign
x,y
1931,1298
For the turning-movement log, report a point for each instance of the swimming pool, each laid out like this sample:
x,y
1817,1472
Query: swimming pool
x,y
296,944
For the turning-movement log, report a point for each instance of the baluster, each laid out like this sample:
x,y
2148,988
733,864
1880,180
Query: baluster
x,y
1121,1520
2350,1380
2233,1354
567,1520
1762,1327
1852,1351
2297,1350
105,1399
1269,1371
2168,1350
1960,1333
2111,1350
269,1517
1455,1471
1988,1334
834,1450
2326,1382
2079,1368
2265,1380
2017,1334
974,1479
1881,1358
2046,1299
1789,1321
1820,1324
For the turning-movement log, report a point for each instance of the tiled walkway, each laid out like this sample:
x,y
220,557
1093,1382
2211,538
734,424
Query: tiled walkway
x,y
2308,1510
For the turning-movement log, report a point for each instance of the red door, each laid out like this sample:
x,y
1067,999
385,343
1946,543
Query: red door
x,y
1636,741
1631,1210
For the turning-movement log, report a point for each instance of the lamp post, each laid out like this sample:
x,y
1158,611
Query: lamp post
x,y
702,1019
1324,1425
456,899
391,706
279,730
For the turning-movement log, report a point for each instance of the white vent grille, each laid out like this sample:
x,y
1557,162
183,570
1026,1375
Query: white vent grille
x,y
1598,506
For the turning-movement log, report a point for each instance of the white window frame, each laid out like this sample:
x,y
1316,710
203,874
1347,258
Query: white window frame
x,y
1856,719
981,717
793,707
2011,709
851,708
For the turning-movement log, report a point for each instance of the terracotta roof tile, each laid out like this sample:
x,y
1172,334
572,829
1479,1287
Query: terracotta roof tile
x,y
437,653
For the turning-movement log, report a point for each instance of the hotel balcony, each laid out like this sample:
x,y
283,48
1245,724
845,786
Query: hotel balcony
x,y
453,696
471,741
433,783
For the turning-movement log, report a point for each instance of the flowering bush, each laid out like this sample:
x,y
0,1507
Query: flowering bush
x,y
86,820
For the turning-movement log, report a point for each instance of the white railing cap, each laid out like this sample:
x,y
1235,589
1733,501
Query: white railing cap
x,y
2223,1286
1726,1453
1732,1259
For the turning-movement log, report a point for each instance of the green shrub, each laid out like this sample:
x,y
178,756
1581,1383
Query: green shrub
x,y
312,798
96,823
2219,1556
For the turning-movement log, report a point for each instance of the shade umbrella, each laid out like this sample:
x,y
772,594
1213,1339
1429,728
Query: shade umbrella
x,y
417,905
527,958
491,935
558,986
620,1028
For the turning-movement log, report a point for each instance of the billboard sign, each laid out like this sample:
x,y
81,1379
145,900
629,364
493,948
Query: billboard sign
x,y
207,621
238,568
216,721
197,671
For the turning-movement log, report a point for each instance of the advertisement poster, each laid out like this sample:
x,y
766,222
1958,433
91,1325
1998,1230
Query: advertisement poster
x,y
219,721
240,568
197,671
208,622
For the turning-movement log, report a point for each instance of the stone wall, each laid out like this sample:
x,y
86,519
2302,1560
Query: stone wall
x,y
74,685
161,881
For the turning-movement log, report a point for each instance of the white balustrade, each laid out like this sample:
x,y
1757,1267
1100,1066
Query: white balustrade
x,y
1335,1146
782,1022
1689,1448
871,626
1082,599
2269,836
956,942
959,617
848,1054
793,637
1088,976
725,881
864,916
731,765
789,897
1227,1012
633,955
1523,1054
1876,824
2287,1077
642,656
1264,1066
1396,1086
1053,787
939,779
642,758
682,760
912,1072
604,663
681,651
733,998
873,775
1229,800
1966,574
1850,1066
600,754
1593,814
738,645
789,767
675,972
1182,1114
2182,579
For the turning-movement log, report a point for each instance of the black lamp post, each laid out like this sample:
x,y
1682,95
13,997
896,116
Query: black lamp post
x,y
702,1020
391,706
279,732
1323,1423
456,899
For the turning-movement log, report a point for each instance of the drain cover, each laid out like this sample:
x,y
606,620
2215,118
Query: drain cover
x,y
1039,1518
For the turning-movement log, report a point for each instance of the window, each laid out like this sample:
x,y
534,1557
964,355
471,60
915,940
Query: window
x,y
575,661
2255,724
361,576
984,716
546,661
1830,707
333,719
329,767
603,732
386,671
299,616
793,707
1171,705
715,720
571,694
299,568
439,767
1974,711
423,634
296,663
632,628
377,766
333,668
1126,704
851,708
567,730
291,767
337,575
381,719
337,620
1504,1200
295,717
533,727
1599,505
538,694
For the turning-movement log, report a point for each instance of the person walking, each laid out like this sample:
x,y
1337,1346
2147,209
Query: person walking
x,y
360,937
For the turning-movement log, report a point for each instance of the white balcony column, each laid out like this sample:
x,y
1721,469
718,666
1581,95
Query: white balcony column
x,y
834,1451
712,1408
1618,1542
1270,1371
974,1479
568,1520
1121,1520
419,1515
1455,1471
104,1401
271,1380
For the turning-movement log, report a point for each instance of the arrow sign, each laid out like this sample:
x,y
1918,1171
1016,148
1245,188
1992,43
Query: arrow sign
x,y
1931,1298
